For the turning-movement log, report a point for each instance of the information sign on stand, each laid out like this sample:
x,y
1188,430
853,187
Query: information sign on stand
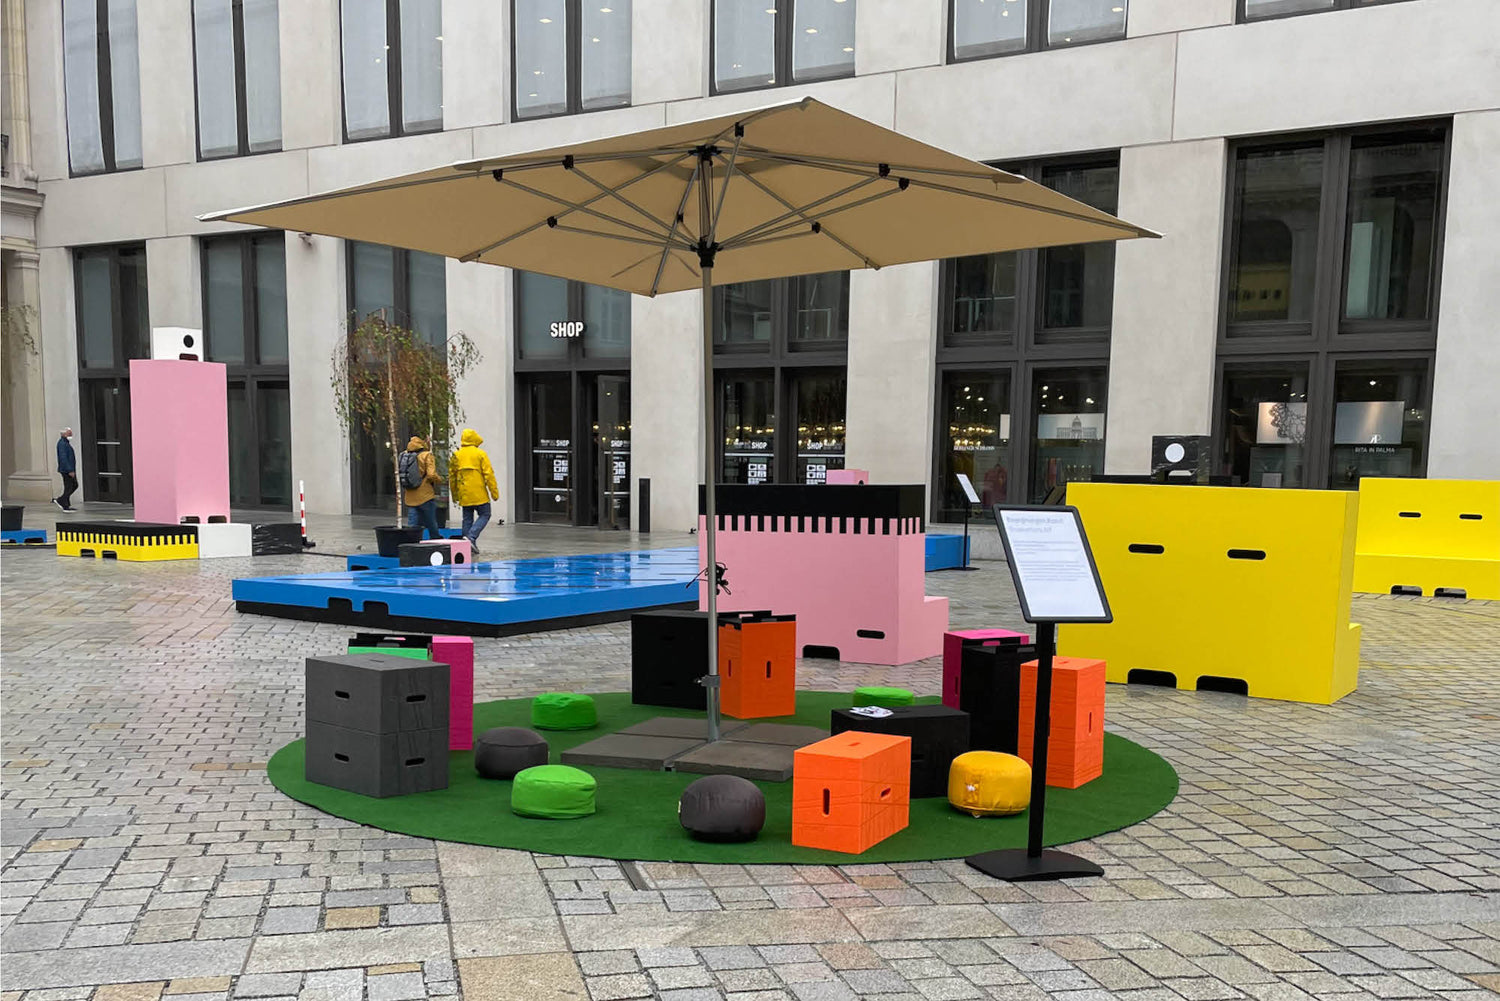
x,y
1056,581
968,488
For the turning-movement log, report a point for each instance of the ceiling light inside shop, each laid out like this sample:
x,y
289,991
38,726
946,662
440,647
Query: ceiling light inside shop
x,y
848,48
593,39
546,20
812,31
606,10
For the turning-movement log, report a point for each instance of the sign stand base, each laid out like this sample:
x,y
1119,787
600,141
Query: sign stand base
x,y
1017,865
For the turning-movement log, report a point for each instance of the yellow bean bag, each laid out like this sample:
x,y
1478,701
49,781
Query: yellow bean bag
x,y
989,783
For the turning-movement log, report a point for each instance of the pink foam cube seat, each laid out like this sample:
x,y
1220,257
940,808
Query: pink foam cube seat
x,y
954,642
458,653
179,419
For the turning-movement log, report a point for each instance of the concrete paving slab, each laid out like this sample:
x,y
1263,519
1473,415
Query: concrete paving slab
x,y
767,762
629,750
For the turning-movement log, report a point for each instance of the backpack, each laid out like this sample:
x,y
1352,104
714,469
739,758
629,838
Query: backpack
x,y
410,468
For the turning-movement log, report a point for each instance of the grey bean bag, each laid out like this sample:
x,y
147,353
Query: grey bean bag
x,y
502,752
722,808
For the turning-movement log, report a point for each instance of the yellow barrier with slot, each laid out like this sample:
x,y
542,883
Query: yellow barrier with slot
x,y
1223,588
1436,535
133,548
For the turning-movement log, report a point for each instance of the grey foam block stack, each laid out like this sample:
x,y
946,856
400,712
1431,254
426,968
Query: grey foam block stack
x,y
377,724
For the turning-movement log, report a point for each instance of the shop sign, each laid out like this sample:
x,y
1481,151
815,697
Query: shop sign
x,y
559,470
566,328
755,472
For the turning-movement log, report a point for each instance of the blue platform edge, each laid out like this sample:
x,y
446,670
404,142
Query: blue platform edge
x,y
501,592
945,552
24,536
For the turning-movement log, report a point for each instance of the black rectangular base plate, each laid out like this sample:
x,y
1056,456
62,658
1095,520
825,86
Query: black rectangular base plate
x,y
1014,865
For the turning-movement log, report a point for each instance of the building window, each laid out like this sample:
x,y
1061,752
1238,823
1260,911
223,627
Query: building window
x,y
245,327
570,56
1260,10
980,29
393,67
114,326
102,81
237,52
1023,357
1330,313
782,348
770,43
573,402
410,289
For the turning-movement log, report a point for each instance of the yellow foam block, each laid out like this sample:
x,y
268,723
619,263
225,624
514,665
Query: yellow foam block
x,y
1429,534
1223,582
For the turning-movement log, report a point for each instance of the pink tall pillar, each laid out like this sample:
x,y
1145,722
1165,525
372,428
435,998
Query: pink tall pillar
x,y
179,425
458,653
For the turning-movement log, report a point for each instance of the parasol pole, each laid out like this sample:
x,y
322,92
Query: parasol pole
x,y
710,520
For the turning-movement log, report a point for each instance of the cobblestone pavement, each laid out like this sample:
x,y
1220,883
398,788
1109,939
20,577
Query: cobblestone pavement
x,y
1342,852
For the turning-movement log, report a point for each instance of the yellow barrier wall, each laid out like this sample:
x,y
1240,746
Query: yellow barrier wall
x,y
1279,623
1429,534
130,549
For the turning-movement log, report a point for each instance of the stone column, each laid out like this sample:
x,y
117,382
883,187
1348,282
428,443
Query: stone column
x,y
27,437
666,415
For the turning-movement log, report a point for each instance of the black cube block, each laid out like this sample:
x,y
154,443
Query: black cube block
x,y
938,735
989,691
442,553
377,764
377,693
669,653
276,538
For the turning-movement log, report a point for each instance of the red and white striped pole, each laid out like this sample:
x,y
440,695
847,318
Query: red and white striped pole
x,y
302,510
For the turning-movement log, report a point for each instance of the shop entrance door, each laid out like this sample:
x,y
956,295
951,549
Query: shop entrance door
x,y
611,441
104,458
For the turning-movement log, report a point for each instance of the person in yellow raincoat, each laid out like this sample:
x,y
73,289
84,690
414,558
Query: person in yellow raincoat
x,y
471,483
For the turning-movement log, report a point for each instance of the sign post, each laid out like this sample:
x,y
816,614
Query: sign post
x,y
1056,581
973,498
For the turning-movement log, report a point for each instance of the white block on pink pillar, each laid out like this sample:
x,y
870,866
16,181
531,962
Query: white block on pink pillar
x,y
179,425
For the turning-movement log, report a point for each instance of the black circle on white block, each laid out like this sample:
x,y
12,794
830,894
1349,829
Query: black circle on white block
x,y
1175,452
187,340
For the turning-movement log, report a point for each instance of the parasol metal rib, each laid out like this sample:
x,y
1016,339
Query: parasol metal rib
x,y
865,258
994,174
614,236
739,135
582,207
791,227
649,217
666,249
556,159
776,223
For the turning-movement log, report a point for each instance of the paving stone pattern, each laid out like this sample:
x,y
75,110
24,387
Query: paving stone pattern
x,y
1341,852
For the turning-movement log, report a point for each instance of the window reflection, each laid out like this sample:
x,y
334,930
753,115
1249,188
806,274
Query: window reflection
x,y
1392,228
1277,199
1379,420
1265,424
1068,430
976,421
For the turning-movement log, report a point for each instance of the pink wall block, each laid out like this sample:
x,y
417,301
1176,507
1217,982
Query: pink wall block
x,y
953,644
834,477
458,653
179,425
838,584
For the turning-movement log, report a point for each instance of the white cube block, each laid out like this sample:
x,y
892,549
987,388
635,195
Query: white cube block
x,y
176,343
226,539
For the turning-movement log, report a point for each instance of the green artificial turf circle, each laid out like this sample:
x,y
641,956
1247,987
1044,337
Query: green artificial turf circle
x,y
636,815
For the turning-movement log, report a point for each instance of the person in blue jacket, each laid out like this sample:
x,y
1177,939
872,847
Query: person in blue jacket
x,y
67,465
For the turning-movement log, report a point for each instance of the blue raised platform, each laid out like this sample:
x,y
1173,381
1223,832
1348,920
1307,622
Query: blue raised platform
x,y
25,537
945,552
498,598
371,561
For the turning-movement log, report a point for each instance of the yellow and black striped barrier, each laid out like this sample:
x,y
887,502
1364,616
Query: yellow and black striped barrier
x,y
135,542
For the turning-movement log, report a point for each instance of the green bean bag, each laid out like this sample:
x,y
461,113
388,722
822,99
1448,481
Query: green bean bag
x,y
877,695
555,792
563,711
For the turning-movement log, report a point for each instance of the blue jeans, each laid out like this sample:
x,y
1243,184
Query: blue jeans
x,y
475,518
426,516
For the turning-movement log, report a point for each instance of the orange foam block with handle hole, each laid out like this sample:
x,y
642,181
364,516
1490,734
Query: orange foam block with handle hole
x,y
758,668
850,791
1075,750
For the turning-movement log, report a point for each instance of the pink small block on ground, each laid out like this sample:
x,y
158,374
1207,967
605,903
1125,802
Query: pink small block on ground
x,y
953,654
462,550
179,420
458,653
847,476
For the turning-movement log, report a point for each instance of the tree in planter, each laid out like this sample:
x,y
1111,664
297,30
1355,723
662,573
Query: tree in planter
x,y
387,379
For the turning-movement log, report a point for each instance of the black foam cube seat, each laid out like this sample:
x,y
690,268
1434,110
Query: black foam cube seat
x,y
989,691
938,735
377,692
377,724
276,538
505,750
439,553
377,764
669,653
722,808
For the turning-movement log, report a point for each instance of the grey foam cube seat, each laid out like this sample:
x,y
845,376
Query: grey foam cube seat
x,y
377,692
502,752
377,764
722,808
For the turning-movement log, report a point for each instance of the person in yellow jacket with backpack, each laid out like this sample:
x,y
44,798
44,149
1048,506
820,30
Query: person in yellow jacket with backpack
x,y
471,483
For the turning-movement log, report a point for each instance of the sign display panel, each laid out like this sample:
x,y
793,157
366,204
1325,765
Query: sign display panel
x,y
1051,564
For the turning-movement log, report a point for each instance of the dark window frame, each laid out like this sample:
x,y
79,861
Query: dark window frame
x,y
781,60
1328,338
395,118
250,373
241,95
1036,34
106,96
573,71
583,374
1018,355
1241,17
117,374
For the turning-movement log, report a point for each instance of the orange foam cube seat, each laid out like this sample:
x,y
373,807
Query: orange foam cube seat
x,y
851,791
758,667
1075,750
